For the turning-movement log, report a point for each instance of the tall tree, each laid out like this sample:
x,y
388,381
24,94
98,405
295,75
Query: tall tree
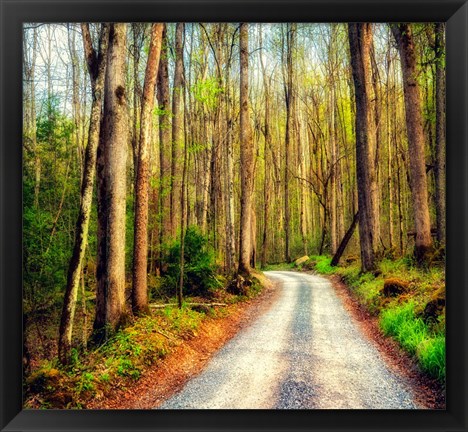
x,y
332,138
290,99
229,170
177,129
140,244
111,171
164,141
97,69
360,41
414,125
246,155
266,154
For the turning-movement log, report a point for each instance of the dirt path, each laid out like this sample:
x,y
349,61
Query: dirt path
x,y
304,352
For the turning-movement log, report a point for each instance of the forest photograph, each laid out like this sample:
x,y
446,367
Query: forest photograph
x,y
234,215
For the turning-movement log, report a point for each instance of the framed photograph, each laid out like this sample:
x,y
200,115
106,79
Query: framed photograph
x,y
234,215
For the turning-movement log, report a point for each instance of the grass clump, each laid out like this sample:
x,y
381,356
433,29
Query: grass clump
x,y
431,353
416,337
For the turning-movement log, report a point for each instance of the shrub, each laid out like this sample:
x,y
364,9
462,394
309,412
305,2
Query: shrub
x,y
199,264
323,264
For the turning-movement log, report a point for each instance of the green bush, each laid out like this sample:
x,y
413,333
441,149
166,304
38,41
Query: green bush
x,y
323,264
199,264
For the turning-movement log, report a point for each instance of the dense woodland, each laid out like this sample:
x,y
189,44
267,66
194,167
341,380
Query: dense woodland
x,y
169,160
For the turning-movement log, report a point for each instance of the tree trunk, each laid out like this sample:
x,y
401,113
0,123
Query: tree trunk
x,y
246,155
267,162
290,105
140,244
177,128
414,125
377,117
360,40
183,209
389,154
344,242
229,176
111,170
164,142
97,71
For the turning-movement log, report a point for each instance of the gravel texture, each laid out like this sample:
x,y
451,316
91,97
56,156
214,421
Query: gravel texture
x,y
304,352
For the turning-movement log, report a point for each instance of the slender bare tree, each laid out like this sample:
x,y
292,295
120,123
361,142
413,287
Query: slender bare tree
x,y
140,244
97,70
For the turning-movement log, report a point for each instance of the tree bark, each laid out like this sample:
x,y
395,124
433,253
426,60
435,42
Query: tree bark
x,y
360,40
177,128
267,160
290,105
183,207
414,125
344,242
164,142
332,137
111,170
97,71
140,244
246,155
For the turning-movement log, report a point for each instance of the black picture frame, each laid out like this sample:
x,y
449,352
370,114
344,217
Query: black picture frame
x,y
15,12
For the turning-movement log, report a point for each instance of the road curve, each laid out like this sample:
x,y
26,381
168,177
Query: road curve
x,y
304,352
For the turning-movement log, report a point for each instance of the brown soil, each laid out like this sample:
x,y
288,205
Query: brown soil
x,y
169,375
427,392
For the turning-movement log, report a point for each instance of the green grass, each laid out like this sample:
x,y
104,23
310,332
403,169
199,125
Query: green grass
x,y
278,266
416,337
322,264
431,354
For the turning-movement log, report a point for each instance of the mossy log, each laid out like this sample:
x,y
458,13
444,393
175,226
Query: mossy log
x,y
394,287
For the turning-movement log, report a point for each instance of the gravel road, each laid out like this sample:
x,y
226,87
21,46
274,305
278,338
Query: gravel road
x,y
303,352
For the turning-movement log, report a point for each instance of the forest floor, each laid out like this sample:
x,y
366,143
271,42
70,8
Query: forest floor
x,y
170,374
313,348
163,347
303,343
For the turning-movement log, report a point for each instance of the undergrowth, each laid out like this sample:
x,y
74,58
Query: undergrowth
x,y
95,374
